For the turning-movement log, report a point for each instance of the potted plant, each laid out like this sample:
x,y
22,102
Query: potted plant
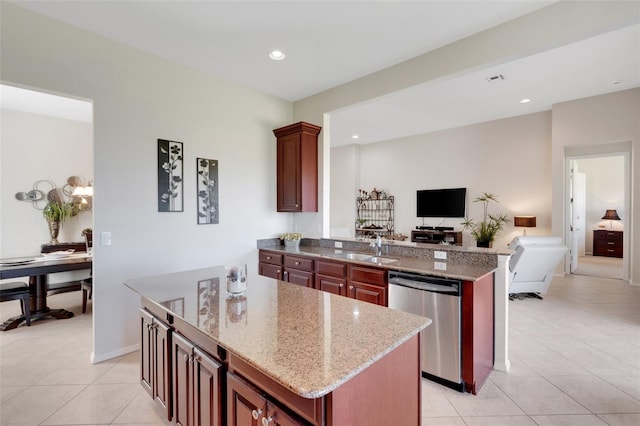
x,y
291,239
56,213
484,232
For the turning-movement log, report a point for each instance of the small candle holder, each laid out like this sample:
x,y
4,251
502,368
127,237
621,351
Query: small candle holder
x,y
236,279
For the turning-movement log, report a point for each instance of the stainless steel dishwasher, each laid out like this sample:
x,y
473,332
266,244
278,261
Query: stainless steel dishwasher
x,y
439,299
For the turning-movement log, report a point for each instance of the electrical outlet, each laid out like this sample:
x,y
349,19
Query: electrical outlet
x,y
440,255
338,244
440,266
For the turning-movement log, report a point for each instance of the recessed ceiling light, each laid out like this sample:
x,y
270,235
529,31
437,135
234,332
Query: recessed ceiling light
x,y
355,137
525,101
277,55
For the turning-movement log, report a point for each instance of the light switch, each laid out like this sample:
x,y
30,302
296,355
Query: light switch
x,y
105,238
440,255
338,244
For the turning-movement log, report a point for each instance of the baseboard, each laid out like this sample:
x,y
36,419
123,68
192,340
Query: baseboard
x,y
115,354
502,366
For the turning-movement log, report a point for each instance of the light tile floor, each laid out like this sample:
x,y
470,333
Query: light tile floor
x,y
575,360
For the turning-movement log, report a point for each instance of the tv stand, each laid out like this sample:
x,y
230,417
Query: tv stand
x,y
436,236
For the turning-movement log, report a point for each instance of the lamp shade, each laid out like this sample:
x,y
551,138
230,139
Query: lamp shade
x,y
611,215
525,221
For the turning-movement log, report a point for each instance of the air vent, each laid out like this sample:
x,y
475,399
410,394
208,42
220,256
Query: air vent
x,y
495,78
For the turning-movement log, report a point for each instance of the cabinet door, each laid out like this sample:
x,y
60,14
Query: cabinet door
x,y
182,381
331,284
207,392
299,277
146,351
368,293
278,417
289,186
269,270
162,366
245,406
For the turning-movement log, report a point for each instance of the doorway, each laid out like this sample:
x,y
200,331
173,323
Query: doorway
x,y
597,205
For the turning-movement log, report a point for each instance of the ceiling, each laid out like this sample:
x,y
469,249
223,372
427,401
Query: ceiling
x,y
328,43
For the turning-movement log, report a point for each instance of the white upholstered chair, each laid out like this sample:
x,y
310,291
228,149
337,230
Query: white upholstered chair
x,y
533,264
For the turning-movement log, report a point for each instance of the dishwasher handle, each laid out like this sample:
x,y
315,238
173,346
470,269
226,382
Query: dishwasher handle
x,y
453,288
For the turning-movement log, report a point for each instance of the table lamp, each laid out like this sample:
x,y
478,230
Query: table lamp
x,y
611,215
524,222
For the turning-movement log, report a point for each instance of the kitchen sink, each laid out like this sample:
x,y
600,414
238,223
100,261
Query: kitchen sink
x,y
351,256
361,257
381,260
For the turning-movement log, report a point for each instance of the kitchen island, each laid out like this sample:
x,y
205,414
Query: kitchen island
x,y
279,354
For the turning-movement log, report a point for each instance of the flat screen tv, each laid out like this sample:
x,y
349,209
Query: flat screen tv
x,y
441,202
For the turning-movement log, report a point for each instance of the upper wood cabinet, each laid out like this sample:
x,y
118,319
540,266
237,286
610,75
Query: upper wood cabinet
x,y
297,175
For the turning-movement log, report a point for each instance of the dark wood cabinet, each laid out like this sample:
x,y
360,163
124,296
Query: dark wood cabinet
x,y
358,282
197,385
331,277
247,406
607,243
299,270
155,360
297,167
270,264
293,269
368,284
432,236
477,332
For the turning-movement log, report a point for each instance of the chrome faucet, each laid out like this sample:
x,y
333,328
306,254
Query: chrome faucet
x,y
377,245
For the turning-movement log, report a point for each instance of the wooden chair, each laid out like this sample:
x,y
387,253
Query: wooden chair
x,y
87,292
17,290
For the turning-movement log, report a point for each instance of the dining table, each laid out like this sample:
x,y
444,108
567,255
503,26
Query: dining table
x,y
37,269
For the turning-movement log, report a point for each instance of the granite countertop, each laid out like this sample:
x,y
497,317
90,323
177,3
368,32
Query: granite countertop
x,y
440,268
309,341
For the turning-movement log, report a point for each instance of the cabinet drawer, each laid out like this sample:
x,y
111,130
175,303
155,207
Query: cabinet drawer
x,y
270,257
608,235
269,270
300,263
332,269
607,248
368,275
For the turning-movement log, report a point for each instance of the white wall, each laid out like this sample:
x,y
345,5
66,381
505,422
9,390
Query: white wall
x,y
605,190
36,147
344,183
596,122
509,158
139,98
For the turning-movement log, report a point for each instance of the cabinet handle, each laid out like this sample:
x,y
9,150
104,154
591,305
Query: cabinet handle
x,y
297,205
341,285
268,257
297,263
186,358
350,287
610,243
256,413
266,420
